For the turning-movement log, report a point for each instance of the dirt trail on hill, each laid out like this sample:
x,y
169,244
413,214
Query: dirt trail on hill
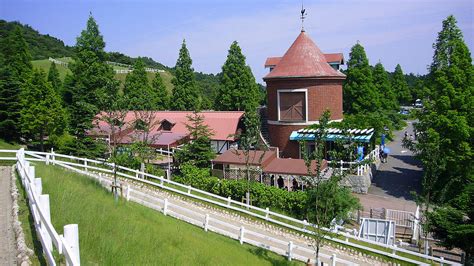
x,y
7,236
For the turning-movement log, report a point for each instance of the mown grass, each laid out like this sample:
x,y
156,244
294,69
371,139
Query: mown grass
x,y
4,145
125,233
45,64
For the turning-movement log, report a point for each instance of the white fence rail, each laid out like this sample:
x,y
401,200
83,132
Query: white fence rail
x,y
68,245
76,164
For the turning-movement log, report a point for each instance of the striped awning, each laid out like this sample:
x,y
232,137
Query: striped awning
x,y
357,135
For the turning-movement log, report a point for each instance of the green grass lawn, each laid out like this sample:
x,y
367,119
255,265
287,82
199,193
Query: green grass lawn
x,y
4,145
45,64
126,233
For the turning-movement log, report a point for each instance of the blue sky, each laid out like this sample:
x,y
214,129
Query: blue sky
x,y
392,32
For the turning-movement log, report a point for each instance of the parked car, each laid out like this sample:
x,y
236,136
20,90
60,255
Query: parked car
x,y
418,103
404,111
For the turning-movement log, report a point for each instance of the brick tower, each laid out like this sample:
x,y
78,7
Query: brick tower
x,y
301,85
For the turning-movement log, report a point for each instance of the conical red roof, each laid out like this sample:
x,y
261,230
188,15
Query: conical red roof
x,y
303,59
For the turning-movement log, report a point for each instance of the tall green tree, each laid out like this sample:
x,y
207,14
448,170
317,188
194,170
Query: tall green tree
x,y
162,94
138,90
400,86
53,77
198,151
15,69
360,94
186,95
446,122
90,73
238,90
388,98
42,114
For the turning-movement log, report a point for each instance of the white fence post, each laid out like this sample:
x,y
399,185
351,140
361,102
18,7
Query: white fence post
x,y
47,158
128,192
71,235
189,190
267,213
38,186
206,222
53,157
31,174
305,223
44,205
85,166
165,207
333,260
229,199
241,237
290,249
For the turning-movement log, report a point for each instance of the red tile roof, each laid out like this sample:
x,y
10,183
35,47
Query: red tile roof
x,y
290,167
237,157
330,58
303,59
223,124
155,139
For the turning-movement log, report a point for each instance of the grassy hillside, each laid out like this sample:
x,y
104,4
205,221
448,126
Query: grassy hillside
x,y
45,64
130,234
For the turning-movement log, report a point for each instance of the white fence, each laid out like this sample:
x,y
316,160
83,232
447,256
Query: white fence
x,y
68,245
362,168
122,71
76,163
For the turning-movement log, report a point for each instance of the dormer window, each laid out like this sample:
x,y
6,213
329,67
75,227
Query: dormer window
x,y
166,125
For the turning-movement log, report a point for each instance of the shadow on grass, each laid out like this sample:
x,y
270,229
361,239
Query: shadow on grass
x,y
25,213
266,255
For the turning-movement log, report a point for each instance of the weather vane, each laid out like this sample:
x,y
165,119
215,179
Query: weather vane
x,y
303,16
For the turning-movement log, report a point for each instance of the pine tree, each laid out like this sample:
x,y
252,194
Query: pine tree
x,y
388,98
186,95
138,90
400,86
53,77
41,114
238,90
360,95
90,73
163,97
447,123
14,72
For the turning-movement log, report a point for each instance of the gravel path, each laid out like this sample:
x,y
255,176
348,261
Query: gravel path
x,y
7,236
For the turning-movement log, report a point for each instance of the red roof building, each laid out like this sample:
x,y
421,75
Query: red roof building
x,y
301,86
170,128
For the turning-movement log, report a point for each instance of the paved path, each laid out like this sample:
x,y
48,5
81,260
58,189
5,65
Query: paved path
x,y
392,184
7,237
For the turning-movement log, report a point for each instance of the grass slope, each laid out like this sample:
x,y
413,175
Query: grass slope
x,y
126,233
63,70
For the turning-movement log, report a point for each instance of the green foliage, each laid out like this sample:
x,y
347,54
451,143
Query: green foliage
x,y
53,77
186,95
140,94
360,94
42,114
162,95
40,46
387,95
90,73
292,203
15,69
198,152
238,90
400,86
445,139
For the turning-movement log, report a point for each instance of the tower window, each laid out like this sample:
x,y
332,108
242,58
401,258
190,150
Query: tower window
x,y
292,106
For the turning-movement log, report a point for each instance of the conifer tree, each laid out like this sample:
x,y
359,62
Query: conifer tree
x,y
238,90
90,73
447,124
53,77
138,90
360,95
382,84
15,70
42,114
163,97
400,86
186,95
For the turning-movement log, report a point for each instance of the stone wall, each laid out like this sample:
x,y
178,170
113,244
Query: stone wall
x,y
361,183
